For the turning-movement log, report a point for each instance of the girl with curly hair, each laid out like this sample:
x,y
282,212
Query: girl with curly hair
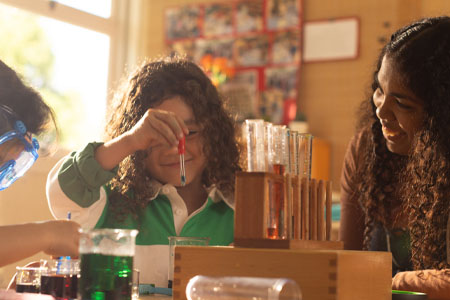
x,y
395,188
133,179
24,115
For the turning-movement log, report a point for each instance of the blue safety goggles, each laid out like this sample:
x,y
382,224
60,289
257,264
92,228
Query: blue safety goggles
x,y
13,169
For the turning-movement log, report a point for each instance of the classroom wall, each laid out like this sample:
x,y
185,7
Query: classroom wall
x,y
329,92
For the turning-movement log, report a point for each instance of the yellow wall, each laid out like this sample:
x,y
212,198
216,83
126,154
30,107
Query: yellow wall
x,y
330,92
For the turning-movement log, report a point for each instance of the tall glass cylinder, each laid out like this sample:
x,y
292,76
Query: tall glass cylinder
x,y
293,152
277,224
278,149
268,129
305,154
254,130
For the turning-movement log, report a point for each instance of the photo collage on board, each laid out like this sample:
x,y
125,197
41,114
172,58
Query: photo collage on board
x,y
251,50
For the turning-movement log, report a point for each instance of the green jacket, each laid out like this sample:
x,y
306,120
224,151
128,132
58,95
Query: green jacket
x,y
78,184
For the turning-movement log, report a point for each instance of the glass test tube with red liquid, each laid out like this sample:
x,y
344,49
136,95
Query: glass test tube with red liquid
x,y
277,222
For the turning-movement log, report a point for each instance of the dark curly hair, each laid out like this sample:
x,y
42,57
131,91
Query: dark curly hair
x,y
25,102
421,53
147,87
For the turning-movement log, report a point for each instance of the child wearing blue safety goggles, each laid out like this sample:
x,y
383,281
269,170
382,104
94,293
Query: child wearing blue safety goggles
x,y
24,114
19,148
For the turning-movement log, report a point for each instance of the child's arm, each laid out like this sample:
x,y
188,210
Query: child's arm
x,y
75,183
435,283
57,238
156,127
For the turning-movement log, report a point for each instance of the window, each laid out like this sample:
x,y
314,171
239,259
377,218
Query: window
x,y
62,48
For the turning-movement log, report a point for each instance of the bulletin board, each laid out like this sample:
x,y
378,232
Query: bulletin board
x,y
259,40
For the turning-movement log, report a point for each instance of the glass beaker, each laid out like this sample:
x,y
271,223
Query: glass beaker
x,y
182,241
106,269
28,279
59,277
242,288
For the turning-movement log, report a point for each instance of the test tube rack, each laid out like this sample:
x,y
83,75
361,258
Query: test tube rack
x,y
322,270
307,202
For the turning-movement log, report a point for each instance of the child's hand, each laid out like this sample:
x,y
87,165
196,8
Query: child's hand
x,y
61,237
157,127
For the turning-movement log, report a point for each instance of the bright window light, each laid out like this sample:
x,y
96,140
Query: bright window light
x,y
101,8
67,64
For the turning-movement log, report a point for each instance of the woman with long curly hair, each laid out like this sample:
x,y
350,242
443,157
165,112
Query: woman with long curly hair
x,y
395,186
133,179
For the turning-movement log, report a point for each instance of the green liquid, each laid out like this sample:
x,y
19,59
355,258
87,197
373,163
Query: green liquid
x,y
105,277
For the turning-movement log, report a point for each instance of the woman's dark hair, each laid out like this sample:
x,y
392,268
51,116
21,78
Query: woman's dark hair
x,y
147,87
25,102
421,53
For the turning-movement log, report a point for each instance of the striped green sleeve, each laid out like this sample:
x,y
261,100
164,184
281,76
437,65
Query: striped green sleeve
x,y
81,176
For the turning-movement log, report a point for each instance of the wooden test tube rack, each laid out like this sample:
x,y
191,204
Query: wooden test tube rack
x,y
309,226
320,267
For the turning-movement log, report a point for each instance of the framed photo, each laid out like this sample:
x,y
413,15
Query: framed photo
x,y
282,14
252,51
327,40
286,47
249,16
183,22
218,19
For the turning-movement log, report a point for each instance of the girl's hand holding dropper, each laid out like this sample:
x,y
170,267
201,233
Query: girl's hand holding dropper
x,y
155,128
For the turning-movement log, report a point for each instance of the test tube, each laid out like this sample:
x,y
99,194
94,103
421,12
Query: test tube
x,y
277,216
268,127
305,154
277,149
293,149
255,145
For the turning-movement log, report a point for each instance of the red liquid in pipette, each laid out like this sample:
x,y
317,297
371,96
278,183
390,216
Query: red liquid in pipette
x,y
181,151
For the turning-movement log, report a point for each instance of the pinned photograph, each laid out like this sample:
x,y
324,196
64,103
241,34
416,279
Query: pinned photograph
x,y
286,47
282,14
214,47
241,94
252,51
249,16
182,22
282,79
218,19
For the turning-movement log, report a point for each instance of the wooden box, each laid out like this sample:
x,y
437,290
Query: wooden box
x,y
320,274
